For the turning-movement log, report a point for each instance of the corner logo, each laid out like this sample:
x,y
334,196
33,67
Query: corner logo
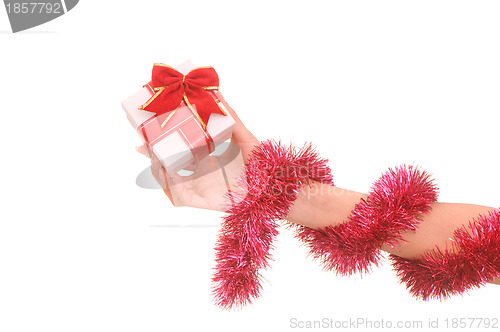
x,y
25,14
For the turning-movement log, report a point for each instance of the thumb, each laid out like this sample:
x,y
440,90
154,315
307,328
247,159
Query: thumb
x,y
143,150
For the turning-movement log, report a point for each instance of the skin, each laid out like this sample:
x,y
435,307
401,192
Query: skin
x,y
319,205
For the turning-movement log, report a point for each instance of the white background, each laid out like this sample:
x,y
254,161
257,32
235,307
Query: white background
x,y
372,84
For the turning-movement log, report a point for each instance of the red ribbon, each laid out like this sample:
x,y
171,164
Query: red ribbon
x,y
172,88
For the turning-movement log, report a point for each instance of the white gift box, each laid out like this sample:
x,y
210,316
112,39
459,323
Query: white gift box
x,y
175,147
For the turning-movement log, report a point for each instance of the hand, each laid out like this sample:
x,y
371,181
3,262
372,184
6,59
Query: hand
x,y
206,191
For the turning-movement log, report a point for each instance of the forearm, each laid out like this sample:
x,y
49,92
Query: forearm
x,y
320,205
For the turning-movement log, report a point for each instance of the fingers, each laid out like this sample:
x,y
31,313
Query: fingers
x,y
229,109
240,133
160,174
166,188
143,150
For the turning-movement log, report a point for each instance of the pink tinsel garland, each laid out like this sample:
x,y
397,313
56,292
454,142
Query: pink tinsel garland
x,y
274,175
473,261
395,204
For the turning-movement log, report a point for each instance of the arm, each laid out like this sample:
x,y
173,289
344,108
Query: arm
x,y
320,205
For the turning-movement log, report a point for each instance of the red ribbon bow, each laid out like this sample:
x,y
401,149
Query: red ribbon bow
x,y
172,87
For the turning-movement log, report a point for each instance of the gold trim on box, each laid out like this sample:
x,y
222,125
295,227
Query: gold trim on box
x,y
158,91
194,111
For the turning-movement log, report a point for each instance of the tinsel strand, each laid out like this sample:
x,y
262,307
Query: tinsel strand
x,y
395,203
273,176
472,261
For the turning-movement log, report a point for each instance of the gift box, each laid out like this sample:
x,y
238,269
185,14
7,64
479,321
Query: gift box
x,y
178,115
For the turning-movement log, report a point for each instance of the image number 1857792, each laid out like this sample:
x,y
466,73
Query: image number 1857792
x,y
28,14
